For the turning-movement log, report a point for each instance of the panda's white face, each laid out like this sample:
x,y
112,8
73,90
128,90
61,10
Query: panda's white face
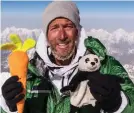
x,y
89,63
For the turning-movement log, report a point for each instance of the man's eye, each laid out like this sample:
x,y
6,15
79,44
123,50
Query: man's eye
x,y
69,26
53,28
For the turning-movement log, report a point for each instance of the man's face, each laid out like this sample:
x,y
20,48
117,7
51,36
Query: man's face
x,y
62,35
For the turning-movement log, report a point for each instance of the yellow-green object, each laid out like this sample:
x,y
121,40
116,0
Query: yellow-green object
x,y
15,39
17,45
28,44
8,46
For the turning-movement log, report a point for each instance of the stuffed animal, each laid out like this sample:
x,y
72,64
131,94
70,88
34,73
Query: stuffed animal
x,y
78,88
18,61
89,63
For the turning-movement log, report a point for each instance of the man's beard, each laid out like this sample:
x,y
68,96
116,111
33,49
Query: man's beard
x,y
63,58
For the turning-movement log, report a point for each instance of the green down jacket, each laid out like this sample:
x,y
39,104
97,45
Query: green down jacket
x,y
50,101
57,104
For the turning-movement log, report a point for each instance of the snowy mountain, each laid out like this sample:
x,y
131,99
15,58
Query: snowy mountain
x,y
130,69
22,32
119,44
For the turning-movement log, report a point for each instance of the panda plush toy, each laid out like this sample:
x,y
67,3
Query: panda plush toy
x,y
89,63
78,88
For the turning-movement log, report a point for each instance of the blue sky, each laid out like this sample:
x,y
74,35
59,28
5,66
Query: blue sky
x,y
106,15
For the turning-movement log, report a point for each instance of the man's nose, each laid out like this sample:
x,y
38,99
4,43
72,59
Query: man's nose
x,y
63,35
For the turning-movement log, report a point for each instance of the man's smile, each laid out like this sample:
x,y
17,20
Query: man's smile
x,y
62,46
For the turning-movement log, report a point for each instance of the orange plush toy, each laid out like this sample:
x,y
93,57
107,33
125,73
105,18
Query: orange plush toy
x,y
18,61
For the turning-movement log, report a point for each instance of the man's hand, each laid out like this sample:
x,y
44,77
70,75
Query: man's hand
x,y
11,91
106,90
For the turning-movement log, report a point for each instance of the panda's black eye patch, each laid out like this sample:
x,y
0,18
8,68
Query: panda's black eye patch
x,y
96,60
87,60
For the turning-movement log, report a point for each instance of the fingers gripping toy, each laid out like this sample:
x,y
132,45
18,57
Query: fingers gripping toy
x,y
18,60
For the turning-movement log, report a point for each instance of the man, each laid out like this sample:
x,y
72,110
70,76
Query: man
x,y
55,64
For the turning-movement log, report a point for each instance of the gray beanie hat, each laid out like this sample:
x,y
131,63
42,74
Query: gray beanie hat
x,y
66,9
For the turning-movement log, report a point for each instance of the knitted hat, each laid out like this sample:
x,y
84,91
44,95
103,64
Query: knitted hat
x,y
66,9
